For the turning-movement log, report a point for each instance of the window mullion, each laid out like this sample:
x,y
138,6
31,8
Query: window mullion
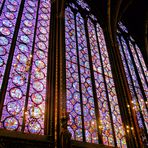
x,y
93,83
30,69
140,63
137,100
10,58
105,84
1,6
130,77
83,130
136,71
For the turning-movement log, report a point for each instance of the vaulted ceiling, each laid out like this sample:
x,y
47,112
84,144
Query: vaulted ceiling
x,y
134,14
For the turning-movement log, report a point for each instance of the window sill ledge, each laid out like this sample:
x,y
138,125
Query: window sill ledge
x,y
23,136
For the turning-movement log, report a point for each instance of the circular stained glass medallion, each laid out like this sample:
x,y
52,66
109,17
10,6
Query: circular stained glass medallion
x,y
3,41
30,10
22,58
34,127
11,8
40,64
16,93
2,51
42,37
27,31
32,4
23,48
40,54
37,98
1,62
35,112
11,123
13,2
38,86
44,17
43,23
39,75
43,30
28,23
41,45
4,31
7,23
13,108
25,39
18,80
28,16
9,15
20,68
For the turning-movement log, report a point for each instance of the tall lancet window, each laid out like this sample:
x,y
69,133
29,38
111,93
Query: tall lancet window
x,y
24,41
137,75
90,90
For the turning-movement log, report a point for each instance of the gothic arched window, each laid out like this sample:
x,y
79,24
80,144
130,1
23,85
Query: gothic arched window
x,y
136,73
24,41
90,90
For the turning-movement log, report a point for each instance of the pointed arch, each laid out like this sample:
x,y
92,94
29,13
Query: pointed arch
x,y
90,91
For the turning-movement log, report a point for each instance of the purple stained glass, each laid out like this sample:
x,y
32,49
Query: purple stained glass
x,y
80,86
86,84
7,22
1,3
13,108
11,123
123,27
83,4
136,93
139,54
34,127
29,59
115,112
139,68
72,78
15,79
37,92
73,90
100,87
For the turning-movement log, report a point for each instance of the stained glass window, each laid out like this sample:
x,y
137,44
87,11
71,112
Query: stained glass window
x,y
24,41
137,75
1,5
90,90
